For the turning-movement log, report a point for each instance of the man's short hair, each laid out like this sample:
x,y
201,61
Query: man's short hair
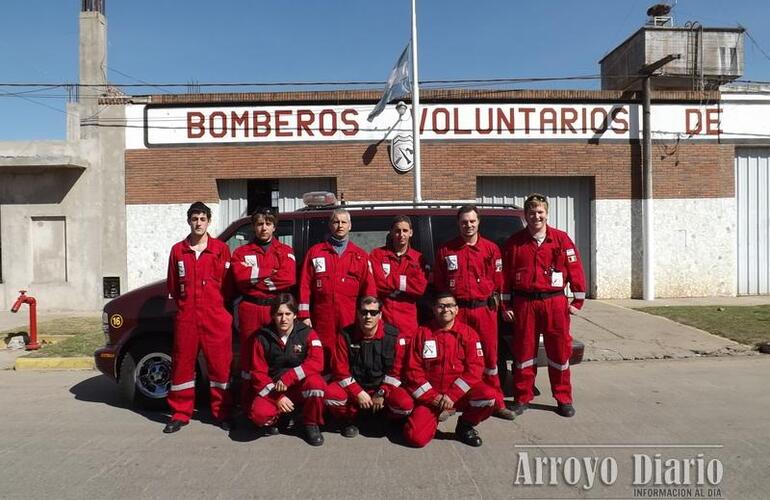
x,y
198,208
442,295
266,213
368,300
401,218
534,200
466,209
338,211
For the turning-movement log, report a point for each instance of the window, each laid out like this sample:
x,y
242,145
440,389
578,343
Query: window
x,y
367,232
498,229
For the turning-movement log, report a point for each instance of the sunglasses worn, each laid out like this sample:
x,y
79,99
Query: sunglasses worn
x,y
368,312
445,306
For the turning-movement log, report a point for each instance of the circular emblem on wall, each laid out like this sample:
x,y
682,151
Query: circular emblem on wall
x,y
402,153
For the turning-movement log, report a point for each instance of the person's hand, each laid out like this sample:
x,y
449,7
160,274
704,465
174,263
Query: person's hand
x,y
573,309
378,402
285,405
308,322
446,403
280,387
508,316
437,401
364,400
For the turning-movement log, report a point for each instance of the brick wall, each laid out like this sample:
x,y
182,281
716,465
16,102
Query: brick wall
x,y
449,169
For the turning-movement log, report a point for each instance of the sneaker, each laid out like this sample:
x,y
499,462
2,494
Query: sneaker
x,y
349,431
505,414
519,408
313,435
174,426
565,410
466,433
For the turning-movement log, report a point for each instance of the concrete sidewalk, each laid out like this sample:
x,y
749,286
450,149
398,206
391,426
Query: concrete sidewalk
x,y
612,330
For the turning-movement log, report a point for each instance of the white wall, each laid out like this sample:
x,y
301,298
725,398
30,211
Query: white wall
x,y
694,247
152,230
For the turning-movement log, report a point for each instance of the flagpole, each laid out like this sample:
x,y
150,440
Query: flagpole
x,y
415,108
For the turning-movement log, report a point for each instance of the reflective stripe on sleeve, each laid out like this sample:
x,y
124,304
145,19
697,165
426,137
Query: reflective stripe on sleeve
x,y
304,307
183,386
291,256
313,393
490,371
391,381
422,389
579,295
266,390
399,411
402,283
480,403
315,343
219,385
346,382
300,372
524,364
558,366
270,284
335,402
462,384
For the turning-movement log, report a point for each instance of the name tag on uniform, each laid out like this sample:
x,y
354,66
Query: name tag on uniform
x,y
319,264
429,350
180,269
250,260
557,279
498,265
451,262
386,268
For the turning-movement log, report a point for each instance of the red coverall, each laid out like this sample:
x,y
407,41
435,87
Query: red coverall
x,y
473,273
448,362
535,292
332,283
400,282
305,385
341,395
202,322
259,276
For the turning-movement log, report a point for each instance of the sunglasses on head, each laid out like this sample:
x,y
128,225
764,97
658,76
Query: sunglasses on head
x,y
369,312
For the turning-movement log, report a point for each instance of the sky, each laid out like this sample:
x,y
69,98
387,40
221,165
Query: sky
x,y
268,41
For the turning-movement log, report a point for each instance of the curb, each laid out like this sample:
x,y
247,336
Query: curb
x,y
78,363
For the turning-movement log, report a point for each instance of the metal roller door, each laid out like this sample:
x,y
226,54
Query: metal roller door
x,y
569,201
752,188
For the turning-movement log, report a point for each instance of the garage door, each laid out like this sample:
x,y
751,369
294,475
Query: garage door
x,y
752,188
569,201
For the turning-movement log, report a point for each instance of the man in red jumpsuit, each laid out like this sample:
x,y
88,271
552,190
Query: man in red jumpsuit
x,y
367,376
197,270
334,275
400,273
539,263
261,270
470,268
443,372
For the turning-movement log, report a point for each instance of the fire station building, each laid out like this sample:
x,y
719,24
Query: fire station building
x,y
142,160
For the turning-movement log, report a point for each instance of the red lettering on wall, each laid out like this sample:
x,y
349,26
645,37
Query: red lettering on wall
x,y
602,122
526,112
444,114
239,121
423,118
568,117
508,121
218,115
547,117
712,122
280,121
691,128
622,123
305,119
479,128
327,122
456,119
261,123
347,119
195,127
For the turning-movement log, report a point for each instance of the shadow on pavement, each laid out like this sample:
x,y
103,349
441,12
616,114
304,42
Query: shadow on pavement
x,y
100,389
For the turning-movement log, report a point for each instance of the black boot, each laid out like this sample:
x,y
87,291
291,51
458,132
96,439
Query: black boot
x,y
519,408
313,435
466,433
174,426
565,410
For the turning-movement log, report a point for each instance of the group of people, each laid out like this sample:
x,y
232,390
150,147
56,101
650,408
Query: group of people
x,y
351,343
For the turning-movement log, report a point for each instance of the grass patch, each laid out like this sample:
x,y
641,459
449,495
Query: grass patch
x,y
87,338
745,324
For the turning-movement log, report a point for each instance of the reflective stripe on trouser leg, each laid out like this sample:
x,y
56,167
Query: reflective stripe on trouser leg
x,y
478,404
558,348
484,322
398,402
312,404
524,347
338,404
181,401
420,427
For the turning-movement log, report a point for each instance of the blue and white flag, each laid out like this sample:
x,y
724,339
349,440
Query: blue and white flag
x,y
398,84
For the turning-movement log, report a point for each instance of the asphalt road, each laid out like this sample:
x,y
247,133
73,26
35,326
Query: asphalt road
x,y
66,435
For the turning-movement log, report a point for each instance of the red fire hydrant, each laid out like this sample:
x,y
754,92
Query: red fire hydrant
x,y
26,299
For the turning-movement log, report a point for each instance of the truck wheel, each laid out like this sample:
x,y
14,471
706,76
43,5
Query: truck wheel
x,y
145,374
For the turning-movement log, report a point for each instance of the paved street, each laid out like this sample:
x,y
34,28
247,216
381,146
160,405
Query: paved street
x,y
66,435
